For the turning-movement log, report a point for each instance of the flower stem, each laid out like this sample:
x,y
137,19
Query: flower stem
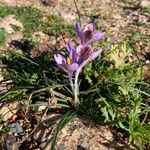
x,y
78,12
76,88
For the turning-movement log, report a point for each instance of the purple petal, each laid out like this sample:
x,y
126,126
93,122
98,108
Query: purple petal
x,y
79,31
84,54
97,36
95,54
70,47
73,67
89,27
72,52
73,56
87,37
88,33
79,48
89,59
58,58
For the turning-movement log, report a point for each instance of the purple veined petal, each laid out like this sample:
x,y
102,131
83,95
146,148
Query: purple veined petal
x,y
59,59
72,52
74,56
97,36
89,27
89,59
73,67
80,53
79,48
79,31
81,59
70,47
88,33
84,54
95,54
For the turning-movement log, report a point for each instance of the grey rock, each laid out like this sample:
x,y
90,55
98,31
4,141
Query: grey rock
x,y
16,128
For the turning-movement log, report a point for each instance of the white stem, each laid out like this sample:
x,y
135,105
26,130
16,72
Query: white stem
x,y
76,88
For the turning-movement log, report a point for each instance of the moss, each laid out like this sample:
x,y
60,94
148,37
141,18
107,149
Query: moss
x,y
30,17
35,20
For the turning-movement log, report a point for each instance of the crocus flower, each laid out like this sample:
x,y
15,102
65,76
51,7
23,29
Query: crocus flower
x,y
86,56
77,57
68,64
80,56
88,34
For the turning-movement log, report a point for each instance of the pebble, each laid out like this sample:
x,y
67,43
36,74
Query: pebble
x,y
147,62
15,128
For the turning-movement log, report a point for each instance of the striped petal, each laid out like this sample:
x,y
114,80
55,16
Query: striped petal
x,y
93,56
79,31
60,60
89,27
97,36
72,52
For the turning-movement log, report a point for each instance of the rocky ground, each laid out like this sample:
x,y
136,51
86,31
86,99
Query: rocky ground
x,y
120,20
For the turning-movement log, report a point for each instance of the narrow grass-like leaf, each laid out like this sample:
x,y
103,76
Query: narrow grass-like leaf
x,y
62,106
141,92
63,122
47,88
59,94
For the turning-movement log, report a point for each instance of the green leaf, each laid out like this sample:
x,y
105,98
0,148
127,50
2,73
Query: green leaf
x,y
63,122
105,113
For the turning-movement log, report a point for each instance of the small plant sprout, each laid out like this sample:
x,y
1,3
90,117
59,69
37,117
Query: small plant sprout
x,y
80,56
